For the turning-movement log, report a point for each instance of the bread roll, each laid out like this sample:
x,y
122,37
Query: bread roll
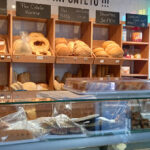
x,y
62,50
106,43
82,49
116,52
101,54
60,41
98,49
71,47
24,77
2,46
57,86
29,86
42,87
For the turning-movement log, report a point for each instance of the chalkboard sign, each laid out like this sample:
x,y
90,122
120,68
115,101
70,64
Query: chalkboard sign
x,y
3,7
136,20
33,10
105,17
73,14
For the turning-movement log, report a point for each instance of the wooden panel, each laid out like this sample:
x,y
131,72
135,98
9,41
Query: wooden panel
x,y
74,60
108,61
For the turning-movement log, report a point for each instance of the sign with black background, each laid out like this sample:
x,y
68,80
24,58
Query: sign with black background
x,y
33,10
73,14
107,17
3,7
136,20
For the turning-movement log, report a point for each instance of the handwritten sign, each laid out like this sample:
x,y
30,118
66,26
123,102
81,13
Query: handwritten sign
x,y
3,7
33,10
73,14
105,17
136,20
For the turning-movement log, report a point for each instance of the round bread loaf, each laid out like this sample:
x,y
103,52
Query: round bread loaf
x,y
101,54
62,50
29,86
110,46
39,44
82,49
71,47
116,52
98,49
106,43
42,86
35,34
60,41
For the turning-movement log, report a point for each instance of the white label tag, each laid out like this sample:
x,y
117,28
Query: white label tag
x,y
8,57
85,59
39,58
117,61
2,56
75,58
8,96
101,79
2,42
2,97
116,79
102,61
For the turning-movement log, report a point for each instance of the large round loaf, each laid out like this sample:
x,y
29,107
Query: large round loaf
x,y
116,52
101,54
60,41
106,43
110,46
29,86
98,49
82,49
71,47
62,50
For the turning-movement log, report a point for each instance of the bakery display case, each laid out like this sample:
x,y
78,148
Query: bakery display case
x,y
95,112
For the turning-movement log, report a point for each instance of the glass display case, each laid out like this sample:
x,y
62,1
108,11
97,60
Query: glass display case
x,y
39,120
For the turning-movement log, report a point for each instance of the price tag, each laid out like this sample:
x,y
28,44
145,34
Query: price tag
x,y
8,96
8,57
63,59
40,58
2,56
2,97
85,59
116,79
75,58
101,79
117,61
102,61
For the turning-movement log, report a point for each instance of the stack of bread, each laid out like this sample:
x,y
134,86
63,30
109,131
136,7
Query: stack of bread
x,y
24,83
2,46
72,48
36,43
109,49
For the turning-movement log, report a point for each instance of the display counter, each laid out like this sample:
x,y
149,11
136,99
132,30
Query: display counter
x,y
39,120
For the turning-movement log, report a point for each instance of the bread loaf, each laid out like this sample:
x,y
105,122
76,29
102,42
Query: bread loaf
x,y
42,87
35,34
82,49
60,41
29,86
101,54
116,52
24,77
57,86
98,50
71,47
106,43
62,50
2,46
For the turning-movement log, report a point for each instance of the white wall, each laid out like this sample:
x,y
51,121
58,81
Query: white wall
x,y
122,6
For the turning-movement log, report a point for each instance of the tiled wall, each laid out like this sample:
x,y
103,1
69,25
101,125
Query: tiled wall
x,y
123,6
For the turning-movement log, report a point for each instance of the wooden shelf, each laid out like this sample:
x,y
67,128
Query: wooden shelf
x,y
135,75
108,61
135,43
33,59
135,59
74,60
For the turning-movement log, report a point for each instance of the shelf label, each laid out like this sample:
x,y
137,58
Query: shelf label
x,y
107,17
75,58
117,61
33,10
136,20
73,14
39,57
2,56
3,7
85,59
8,57
102,61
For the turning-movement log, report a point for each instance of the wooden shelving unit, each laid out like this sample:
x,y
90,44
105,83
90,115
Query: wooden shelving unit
x,y
139,67
45,68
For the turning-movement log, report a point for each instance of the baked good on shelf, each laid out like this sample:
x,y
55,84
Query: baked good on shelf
x,y
2,46
57,78
98,50
35,34
62,50
106,43
17,86
39,44
60,41
82,49
21,48
57,86
24,77
101,54
71,47
42,87
29,86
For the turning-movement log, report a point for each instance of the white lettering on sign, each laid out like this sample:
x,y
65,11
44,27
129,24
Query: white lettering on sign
x,y
80,2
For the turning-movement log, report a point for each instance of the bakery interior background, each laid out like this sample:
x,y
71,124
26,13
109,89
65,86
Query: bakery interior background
x,y
122,6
